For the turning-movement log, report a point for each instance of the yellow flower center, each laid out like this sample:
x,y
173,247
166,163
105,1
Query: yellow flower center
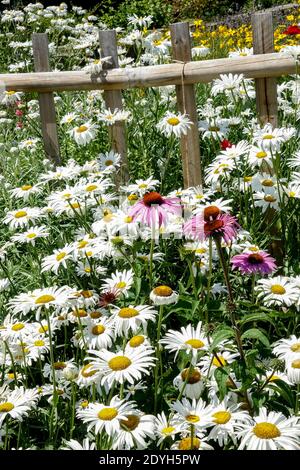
x,y
87,270
59,365
163,291
219,362
10,93
261,154
253,248
278,289
87,294
201,251
91,187
192,418
296,364
269,198
43,329
20,214
132,197
268,137
193,376
142,186
173,121
6,407
84,404
80,313
168,430
248,179
44,299
81,129
221,417
75,205
95,314
269,183
128,219
292,194
295,347
130,423
61,256
119,363
98,330
128,312
186,443
108,414
136,341
39,342
31,235
108,162
18,327
26,187
121,285
214,129
266,431
195,343
88,371
82,244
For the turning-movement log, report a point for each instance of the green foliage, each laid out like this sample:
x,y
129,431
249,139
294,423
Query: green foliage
x,y
160,10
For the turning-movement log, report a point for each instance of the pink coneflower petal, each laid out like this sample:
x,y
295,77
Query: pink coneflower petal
x,y
252,263
153,209
212,223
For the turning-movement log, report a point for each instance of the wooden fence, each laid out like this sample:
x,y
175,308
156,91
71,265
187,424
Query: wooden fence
x,y
264,66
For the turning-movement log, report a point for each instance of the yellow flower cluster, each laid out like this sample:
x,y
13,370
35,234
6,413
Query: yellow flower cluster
x,y
224,39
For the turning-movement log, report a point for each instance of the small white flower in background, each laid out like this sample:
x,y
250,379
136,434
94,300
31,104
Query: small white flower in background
x,y
226,84
29,144
269,138
72,444
84,133
111,117
109,161
177,124
10,97
244,52
291,51
279,290
4,284
96,66
141,21
200,51
31,235
69,118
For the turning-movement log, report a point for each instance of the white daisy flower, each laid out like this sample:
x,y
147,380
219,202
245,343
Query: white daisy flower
x,y
16,404
97,334
279,290
122,367
165,428
84,133
58,259
106,417
22,217
72,444
163,295
25,191
31,235
194,412
177,124
270,431
120,280
287,349
190,383
189,339
129,319
134,431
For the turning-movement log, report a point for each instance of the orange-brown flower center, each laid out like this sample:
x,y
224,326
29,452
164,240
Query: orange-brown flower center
x,y
255,258
152,198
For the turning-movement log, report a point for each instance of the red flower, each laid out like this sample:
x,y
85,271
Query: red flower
x,y
292,30
225,144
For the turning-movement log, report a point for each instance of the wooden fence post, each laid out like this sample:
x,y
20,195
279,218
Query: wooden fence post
x,y
186,101
46,100
113,99
266,88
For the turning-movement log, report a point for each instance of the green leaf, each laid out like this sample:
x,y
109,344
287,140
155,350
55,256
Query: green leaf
x,y
220,335
255,333
221,376
252,317
284,391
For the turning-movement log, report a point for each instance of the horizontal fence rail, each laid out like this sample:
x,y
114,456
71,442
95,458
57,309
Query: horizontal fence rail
x,y
255,66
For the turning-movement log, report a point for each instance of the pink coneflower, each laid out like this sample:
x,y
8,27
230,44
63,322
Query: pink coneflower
x,y
212,223
252,263
153,209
